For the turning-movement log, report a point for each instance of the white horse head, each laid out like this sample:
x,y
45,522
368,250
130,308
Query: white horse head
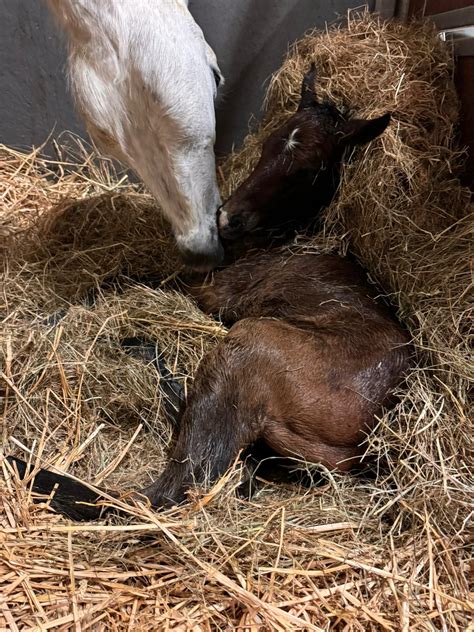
x,y
145,81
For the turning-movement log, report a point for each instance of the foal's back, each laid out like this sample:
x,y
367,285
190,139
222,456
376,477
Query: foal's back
x,y
306,289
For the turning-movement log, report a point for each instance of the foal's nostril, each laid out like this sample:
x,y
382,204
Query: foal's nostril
x,y
231,226
235,222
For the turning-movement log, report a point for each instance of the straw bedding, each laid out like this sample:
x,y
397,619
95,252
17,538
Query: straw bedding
x,y
351,554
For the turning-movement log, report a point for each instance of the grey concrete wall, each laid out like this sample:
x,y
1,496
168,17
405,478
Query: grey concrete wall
x,y
250,38
34,101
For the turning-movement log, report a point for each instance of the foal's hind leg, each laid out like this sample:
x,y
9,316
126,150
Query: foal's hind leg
x,y
217,424
262,465
241,394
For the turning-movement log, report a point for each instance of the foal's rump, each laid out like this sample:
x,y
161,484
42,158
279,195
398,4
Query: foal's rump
x,y
312,396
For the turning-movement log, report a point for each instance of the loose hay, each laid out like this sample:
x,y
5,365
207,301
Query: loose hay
x,y
70,225
349,555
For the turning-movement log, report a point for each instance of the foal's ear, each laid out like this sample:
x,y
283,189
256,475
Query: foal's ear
x,y
361,131
308,94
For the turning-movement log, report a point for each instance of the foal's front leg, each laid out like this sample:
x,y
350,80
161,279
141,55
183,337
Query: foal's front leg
x,y
171,390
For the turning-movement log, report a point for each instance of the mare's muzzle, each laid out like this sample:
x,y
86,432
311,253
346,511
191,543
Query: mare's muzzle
x,y
202,259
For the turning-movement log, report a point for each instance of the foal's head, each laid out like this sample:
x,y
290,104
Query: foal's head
x,y
298,165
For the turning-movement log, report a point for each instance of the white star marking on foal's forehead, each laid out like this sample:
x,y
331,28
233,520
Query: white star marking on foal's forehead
x,y
291,141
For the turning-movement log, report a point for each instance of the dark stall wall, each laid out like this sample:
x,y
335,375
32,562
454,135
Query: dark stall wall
x,y
250,38
464,76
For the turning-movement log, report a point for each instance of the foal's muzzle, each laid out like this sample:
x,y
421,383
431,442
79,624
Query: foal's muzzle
x,y
230,226
235,225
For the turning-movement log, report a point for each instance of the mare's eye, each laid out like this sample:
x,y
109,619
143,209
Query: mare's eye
x,y
217,77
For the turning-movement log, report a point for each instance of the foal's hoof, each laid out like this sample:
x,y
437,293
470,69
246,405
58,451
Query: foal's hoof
x,y
248,487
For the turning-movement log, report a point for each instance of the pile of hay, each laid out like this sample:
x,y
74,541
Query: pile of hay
x,y
349,555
